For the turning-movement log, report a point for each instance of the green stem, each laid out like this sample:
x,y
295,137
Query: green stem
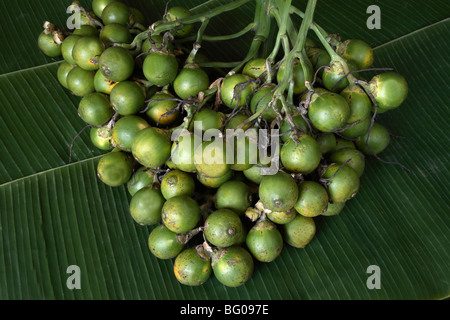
x,y
275,12
302,35
287,49
198,42
299,48
262,22
287,112
301,14
163,25
135,31
334,56
276,48
236,35
281,16
139,26
283,6
137,41
323,35
209,93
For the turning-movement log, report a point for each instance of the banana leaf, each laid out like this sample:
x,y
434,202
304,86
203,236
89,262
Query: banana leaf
x,y
55,214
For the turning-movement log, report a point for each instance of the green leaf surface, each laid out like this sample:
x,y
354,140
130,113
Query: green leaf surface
x,y
54,214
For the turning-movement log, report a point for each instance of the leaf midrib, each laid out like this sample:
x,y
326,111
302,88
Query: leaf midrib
x,y
98,157
411,33
30,69
50,170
